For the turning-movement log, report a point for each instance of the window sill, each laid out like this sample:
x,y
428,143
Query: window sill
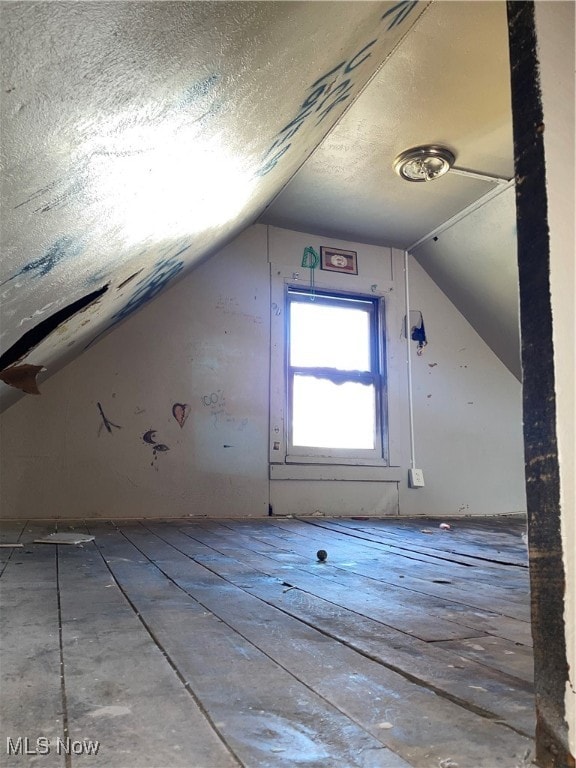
x,y
356,472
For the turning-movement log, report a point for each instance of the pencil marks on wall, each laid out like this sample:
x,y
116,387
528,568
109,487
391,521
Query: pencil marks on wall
x,y
215,402
230,305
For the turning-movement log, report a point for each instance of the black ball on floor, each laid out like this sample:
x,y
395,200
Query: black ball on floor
x,y
321,555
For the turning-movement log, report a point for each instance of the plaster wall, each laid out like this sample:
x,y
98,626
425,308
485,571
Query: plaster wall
x,y
169,415
467,415
199,353
463,261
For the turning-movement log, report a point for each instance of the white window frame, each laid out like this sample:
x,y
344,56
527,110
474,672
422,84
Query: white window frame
x,y
373,376
284,277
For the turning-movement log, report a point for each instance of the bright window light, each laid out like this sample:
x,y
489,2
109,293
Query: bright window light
x,y
328,415
331,337
333,374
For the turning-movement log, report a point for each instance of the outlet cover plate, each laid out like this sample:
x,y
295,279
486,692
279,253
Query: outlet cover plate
x,y
416,478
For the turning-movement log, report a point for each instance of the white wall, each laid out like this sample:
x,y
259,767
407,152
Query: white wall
x,y
467,416
205,343
204,339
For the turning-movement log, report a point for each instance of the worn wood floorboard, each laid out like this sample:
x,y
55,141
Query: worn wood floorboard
x,y
31,697
267,715
286,560
351,565
435,567
498,694
120,688
448,549
407,555
371,694
212,644
9,534
468,541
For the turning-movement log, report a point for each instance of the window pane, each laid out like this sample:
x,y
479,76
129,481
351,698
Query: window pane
x,y
329,337
328,415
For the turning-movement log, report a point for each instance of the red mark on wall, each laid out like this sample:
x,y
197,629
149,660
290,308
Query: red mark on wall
x,y
181,411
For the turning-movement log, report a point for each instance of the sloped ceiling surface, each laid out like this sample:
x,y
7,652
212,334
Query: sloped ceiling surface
x,y
138,137
447,83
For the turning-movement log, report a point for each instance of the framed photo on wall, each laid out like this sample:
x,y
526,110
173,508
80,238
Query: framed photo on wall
x,y
337,260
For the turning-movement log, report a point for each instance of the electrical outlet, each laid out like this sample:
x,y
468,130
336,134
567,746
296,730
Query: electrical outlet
x,y
416,478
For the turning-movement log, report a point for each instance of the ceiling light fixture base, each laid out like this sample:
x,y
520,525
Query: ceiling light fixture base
x,y
424,163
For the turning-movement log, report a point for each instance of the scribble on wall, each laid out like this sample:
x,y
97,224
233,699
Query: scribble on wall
x,y
197,91
149,438
399,12
58,193
162,272
63,248
220,415
181,411
327,92
128,279
214,399
106,421
229,305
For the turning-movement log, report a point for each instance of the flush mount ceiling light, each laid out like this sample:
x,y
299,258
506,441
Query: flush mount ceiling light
x,y
424,163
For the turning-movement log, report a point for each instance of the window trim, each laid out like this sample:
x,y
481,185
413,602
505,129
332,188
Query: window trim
x,y
376,456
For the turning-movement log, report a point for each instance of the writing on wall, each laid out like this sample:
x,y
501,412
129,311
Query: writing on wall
x,y
220,415
162,272
229,305
327,92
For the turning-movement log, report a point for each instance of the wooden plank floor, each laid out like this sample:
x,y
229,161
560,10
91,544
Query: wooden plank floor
x,y
185,644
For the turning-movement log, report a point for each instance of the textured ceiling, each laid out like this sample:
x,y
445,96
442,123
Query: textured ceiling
x,y
448,83
137,138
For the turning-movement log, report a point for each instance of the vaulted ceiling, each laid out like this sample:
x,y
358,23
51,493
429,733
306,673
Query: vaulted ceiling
x,y
138,138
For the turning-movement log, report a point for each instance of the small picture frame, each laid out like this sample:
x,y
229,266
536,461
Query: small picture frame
x,y
337,260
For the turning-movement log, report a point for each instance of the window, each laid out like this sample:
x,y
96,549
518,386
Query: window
x,y
334,377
